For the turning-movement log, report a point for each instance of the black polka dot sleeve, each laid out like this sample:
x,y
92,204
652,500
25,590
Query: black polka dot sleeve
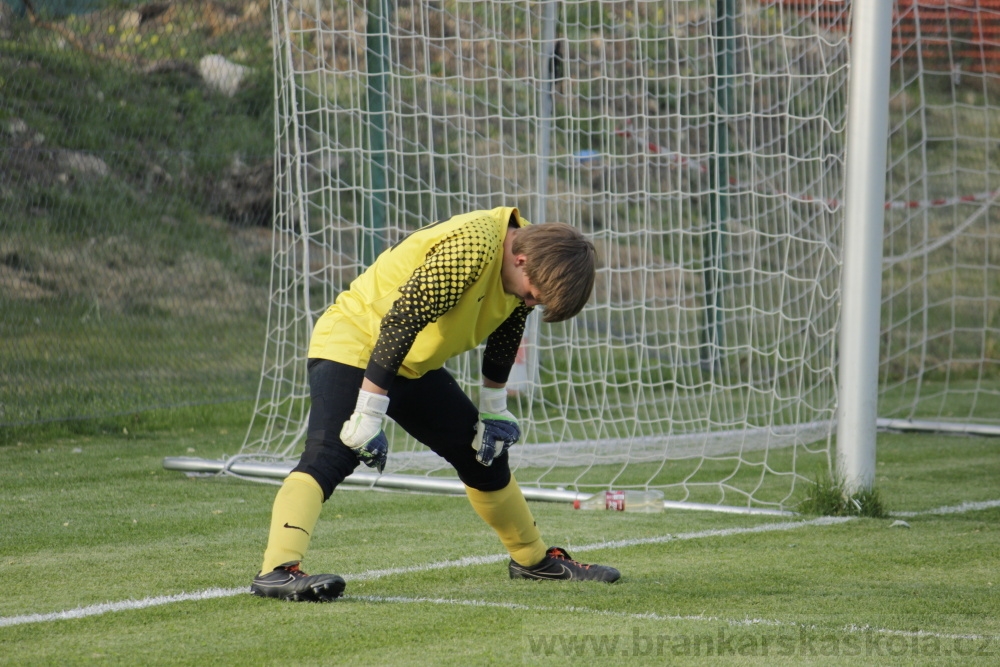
x,y
433,289
502,345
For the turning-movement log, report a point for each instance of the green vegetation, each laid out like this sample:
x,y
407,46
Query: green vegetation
x,y
134,286
829,497
134,244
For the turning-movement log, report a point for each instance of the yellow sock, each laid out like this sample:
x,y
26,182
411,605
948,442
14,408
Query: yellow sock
x,y
296,510
506,511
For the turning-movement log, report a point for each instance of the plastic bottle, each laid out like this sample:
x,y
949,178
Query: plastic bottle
x,y
623,501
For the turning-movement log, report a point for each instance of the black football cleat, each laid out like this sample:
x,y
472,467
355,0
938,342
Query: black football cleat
x,y
557,564
288,582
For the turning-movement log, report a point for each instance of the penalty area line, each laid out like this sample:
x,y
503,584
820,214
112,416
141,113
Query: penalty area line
x,y
213,593
127,605
952,509
718,532
653,616
614,544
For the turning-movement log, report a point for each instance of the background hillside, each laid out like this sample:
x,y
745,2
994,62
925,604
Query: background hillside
x,y
135,203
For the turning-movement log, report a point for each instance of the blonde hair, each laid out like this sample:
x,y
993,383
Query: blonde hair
x,y
560,262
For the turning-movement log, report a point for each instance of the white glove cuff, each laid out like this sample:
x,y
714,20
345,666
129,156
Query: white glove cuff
x,y
492,400
370,403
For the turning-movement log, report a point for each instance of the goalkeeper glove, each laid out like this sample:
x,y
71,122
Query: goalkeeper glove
x,y
363,431
497,428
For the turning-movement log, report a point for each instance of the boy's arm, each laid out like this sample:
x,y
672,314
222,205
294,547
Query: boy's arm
x,y
432,290
502,346
497,429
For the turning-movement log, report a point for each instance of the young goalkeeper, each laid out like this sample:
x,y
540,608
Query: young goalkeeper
x,y
379,351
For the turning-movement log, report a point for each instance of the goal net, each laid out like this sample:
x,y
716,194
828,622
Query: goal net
x,y
703,152
940,354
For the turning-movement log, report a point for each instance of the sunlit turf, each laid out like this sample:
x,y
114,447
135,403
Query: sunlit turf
x,y
93,518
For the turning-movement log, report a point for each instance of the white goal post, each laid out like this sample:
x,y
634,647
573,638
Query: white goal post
x,y
728,159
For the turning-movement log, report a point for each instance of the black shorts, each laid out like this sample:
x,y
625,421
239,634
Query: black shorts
x,y
433,409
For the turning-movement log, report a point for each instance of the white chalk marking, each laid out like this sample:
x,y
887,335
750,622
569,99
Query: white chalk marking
x,y
953,509
652,616
106,607
211,593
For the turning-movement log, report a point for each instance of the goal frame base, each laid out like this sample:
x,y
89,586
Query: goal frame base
x,y
272,472
927,426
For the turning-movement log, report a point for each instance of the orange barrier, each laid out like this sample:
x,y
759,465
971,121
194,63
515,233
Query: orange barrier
x,y
952,35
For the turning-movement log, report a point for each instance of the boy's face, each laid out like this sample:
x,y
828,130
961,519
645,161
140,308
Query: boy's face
x,y
516,282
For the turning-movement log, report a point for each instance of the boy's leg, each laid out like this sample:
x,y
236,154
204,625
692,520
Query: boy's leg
x,y
506,511
435,411
293,517
323,465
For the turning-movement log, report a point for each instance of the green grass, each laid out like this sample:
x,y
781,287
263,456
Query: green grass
x,y
134,290
88,516
92,518
829,496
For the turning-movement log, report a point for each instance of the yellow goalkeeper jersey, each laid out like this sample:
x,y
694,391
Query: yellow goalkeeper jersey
x,y
433,295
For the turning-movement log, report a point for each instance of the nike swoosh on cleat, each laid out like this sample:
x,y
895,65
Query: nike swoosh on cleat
x,y
550,575
288,525
274,583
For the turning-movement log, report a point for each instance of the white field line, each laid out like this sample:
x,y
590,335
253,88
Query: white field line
x,y
211,593
953,509
98,609
616,544
652,616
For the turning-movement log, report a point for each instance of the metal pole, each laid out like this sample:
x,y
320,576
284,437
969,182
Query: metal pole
x,y
545,108
360,478
547,72
725,66
377,63
927,426
861,274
